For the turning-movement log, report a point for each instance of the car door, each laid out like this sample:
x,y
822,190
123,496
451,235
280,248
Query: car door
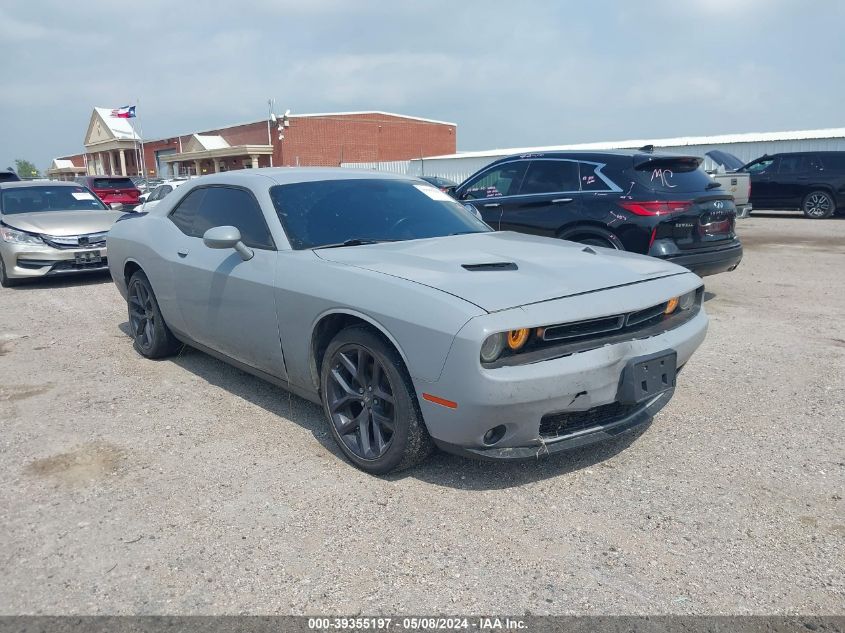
x,y
227,303
762,172
492,191
789,184
548,198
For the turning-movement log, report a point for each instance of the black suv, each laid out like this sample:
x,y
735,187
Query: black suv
x,y
813,182
8,176
655,204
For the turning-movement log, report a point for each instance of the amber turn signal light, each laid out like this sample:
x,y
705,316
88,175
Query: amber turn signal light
x,y
671,305
517,338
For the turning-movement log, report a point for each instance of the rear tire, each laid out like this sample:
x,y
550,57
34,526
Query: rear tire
x,y
370,403
818,205
5,280
150,335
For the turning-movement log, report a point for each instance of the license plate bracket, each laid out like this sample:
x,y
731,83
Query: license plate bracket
x,y
647,376
88,258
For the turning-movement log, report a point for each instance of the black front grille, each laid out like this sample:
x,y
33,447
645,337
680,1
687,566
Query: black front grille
x,y
557,425
69,264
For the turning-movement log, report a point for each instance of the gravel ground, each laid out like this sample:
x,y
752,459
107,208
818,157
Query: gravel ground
x,y
130,486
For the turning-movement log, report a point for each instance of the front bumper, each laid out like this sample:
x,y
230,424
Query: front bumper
x,y
603,430
709,262
521,397
27,261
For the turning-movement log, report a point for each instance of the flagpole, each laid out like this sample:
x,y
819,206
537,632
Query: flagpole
x,y
141,134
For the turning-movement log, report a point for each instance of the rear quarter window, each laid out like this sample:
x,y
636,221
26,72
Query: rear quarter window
x,y
672,175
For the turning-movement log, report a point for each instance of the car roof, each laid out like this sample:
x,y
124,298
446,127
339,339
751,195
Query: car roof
x,y
596,156
35,183
292,175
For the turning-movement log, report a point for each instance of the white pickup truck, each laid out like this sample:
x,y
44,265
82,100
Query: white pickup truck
x,y
722,168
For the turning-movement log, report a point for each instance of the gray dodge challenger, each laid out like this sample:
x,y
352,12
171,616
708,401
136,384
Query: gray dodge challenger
x,y
409,320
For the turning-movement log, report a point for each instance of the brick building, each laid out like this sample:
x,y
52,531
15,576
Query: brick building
x,y
329,139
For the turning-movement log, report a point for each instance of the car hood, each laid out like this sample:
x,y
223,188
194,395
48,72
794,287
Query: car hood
x,y
62,222
506,269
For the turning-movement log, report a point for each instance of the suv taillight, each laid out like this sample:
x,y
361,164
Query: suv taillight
x,y
656,207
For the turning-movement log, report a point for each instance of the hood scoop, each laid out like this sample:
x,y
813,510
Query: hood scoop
x,y
490,266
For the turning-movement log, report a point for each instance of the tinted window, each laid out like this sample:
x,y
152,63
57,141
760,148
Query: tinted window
x,y
48,198
833,162
550,176
208,207
503,180
7,176
590,180
678,175
791,164
333,211
112,183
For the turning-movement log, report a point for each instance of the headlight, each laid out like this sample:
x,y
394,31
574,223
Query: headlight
x,y
684,302
18,237
492,347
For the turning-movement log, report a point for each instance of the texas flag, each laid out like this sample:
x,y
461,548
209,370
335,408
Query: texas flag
x,y
126,112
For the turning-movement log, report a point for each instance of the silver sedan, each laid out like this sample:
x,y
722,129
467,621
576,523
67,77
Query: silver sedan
x,y
51,228
408,319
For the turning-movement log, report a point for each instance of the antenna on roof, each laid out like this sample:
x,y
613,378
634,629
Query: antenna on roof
x,y
647,148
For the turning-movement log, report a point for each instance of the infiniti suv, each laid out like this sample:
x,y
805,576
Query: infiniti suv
x,y
661,205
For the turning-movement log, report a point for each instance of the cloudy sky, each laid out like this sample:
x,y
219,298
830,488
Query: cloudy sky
x,y
508,73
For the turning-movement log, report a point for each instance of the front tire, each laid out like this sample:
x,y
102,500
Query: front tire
x,y
818,205
150,335
370,403
5,280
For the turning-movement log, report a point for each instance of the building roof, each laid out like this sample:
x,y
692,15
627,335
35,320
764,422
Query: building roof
x,y
680,141
119,127
208,141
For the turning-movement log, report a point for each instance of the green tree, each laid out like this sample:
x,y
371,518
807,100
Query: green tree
x,y
26,169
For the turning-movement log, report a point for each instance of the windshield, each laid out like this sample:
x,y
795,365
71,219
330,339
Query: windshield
x,y
327,212
48,198
673,175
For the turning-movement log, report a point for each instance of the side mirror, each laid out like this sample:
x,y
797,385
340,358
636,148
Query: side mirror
x,y
227,237
116,206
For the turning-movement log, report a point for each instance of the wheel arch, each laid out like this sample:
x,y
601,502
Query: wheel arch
x,y
130,267
592,228
326,327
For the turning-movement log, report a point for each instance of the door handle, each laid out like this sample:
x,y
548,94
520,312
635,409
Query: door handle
x,y
562,200
803,178
182,253
491,205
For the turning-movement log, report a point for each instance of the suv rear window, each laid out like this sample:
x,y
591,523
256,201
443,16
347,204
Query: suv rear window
x,y
112,183
668,175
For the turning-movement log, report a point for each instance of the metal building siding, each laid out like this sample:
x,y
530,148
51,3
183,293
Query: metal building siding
x,y
746,147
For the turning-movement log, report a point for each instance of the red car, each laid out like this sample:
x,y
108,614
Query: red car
x,y
113,189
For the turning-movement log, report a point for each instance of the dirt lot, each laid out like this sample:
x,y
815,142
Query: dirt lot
x,y
186,486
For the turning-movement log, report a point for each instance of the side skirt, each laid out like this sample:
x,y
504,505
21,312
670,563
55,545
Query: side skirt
x,y
279,382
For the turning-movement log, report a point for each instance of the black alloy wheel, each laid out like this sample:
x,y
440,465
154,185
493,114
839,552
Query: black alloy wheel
x,y
370,402
150,334
361,402
818,205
